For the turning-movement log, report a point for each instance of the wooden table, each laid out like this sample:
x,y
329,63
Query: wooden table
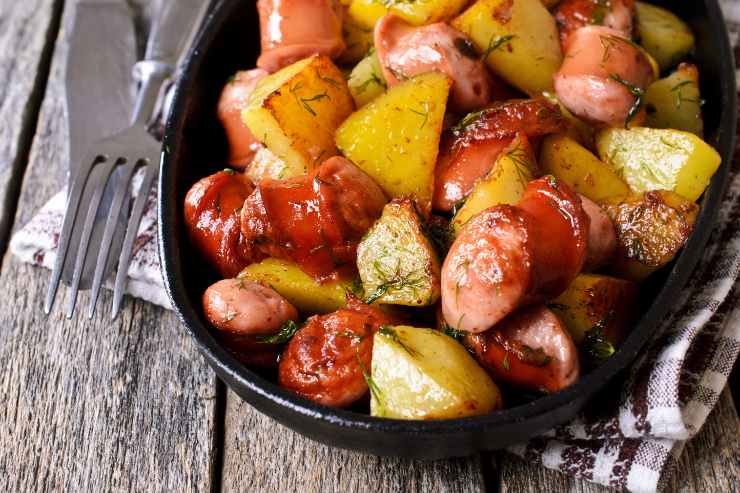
x,y
131,405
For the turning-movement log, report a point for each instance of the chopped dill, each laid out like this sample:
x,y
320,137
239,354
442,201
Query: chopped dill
x,y
638,93
391,333
287,331
374,390
467,120
424,114
495,43
396,281
458,335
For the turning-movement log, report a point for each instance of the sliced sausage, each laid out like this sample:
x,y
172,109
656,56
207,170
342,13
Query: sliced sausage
x,y
244,307
602,237
530,348
325,360
315,220
467,154
212,217
511,256
404,51
600,74
234,98
295,29
571,15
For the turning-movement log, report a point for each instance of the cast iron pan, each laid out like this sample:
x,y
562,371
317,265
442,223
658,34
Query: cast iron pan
x,y
195,146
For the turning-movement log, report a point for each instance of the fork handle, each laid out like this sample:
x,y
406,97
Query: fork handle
x,y
172,29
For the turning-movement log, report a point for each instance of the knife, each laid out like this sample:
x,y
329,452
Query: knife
x,y
99,97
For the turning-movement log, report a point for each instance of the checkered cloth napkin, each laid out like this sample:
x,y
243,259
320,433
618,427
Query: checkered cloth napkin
x,y
666,397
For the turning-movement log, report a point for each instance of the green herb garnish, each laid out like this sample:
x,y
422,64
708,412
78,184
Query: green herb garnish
x,y
287,331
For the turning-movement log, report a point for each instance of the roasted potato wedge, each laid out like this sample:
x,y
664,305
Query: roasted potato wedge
x,y
265,164
596,301
295,112
666,37
424,374
398,264
366,81
504,184
651,228
395,137
300,289
518,39
659,159
578,130
675,102
367,12
565,158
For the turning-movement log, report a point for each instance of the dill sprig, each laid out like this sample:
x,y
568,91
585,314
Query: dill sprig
x,y
638,93
374,389
495,43
287,331
391,333
394,282
458,335
467,120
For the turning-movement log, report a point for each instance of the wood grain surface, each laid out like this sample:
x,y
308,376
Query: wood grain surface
x,y
130,405
93,405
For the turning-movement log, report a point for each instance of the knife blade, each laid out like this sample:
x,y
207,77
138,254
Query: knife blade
x,y
99,98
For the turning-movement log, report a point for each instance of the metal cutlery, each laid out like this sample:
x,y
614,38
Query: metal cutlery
x,y
126,153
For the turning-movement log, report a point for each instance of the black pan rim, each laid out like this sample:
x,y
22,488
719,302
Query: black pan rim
x,y
228,367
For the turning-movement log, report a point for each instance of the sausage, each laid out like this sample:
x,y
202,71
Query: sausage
x,y
530,348
242,310
244,307
602,237
315,220
212,219
467,154
512,256
571,15
295,29
600,73
404,51
325,360
234,97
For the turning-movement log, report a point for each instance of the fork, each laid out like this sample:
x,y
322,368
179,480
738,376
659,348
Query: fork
x,y
132,150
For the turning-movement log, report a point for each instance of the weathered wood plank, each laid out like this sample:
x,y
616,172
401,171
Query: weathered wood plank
x,y
94,405
710,462
261,455
27,33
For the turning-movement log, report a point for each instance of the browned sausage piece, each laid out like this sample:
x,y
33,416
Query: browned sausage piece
x,y
571,15
404,51
295,29
512,256
602,237
212,208
601,72
530,348
325,360
244,307
234,97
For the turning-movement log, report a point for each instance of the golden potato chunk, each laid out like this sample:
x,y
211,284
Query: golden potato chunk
x,y
504,184
395,137
517,38
425,374
675,102
578,167
397,262
596,301
418,13
366,81
666,37
659,159
295,112
651,228
300,289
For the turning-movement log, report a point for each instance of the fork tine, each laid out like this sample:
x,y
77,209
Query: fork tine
x,y
132,230
70,216
111,226
84,244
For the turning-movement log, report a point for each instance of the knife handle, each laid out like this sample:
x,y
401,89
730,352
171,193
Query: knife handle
x,y
172,29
